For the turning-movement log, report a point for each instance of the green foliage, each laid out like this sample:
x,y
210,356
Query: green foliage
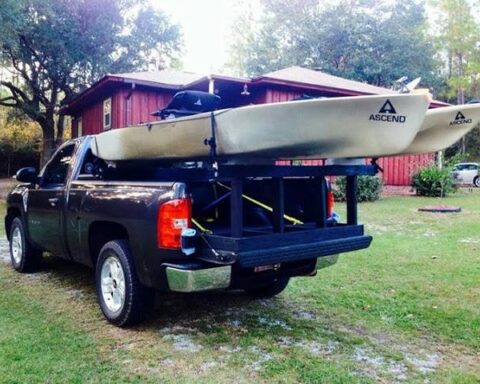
x,y
450,161
433,182
366,40
57,48
457,40
369,188
20,140
457,30
472,147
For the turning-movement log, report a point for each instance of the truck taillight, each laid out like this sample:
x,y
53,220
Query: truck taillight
x,y
173,216
330,203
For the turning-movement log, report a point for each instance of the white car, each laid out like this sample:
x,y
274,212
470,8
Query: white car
x,y
467,173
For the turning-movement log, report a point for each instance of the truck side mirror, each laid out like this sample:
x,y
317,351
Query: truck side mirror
x,y
27,175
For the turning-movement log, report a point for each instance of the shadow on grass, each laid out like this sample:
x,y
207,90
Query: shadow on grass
x,y
170,309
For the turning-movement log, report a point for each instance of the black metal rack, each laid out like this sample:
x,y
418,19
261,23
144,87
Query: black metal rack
x,y
236,175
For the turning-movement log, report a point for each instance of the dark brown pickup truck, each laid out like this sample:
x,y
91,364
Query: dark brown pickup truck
x,y
191,226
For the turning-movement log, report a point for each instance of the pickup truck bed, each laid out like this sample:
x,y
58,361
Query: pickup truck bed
x,y
182,227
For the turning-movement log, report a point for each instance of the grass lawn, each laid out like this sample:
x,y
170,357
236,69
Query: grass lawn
x,y
405,310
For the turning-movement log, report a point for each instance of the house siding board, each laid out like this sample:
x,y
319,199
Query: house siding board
x,y
398,170
258,94
279,94
128,108
136,104
119,108
92,118
143,103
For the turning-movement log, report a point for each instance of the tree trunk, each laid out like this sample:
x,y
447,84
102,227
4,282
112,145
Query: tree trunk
x,y
60,127
50,140
49,143
450,65
461,95
9,160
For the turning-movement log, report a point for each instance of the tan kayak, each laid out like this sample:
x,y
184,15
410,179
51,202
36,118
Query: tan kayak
x,y
443,127
360,126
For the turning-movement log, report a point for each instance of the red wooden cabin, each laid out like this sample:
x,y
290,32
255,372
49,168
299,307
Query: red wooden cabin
x,y
126,99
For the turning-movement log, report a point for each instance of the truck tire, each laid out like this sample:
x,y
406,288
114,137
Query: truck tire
x,y
476,181
123,299
24,257
268,290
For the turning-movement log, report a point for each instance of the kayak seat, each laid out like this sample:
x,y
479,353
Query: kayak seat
x,y
187,103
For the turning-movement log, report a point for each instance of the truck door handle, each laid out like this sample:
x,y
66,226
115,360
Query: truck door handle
x,y
53,201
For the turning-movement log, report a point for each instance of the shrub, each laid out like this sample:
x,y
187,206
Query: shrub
x,y
369,188
433,182
19,143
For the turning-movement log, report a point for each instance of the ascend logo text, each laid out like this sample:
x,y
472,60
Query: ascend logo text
x,y
460,119
388,113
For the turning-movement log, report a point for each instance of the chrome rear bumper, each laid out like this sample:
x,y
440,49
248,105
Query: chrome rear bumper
x,y
195,280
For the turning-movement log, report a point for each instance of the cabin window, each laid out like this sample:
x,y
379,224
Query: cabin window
x,y
55,173
79,127
107,113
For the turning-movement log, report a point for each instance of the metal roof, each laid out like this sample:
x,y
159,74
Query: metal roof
x,y
167,77
311,77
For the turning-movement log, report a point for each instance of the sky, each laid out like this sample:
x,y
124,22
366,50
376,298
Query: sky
x,y
206,28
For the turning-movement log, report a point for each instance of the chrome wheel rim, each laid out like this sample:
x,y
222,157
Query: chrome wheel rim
x,y
17,246
113,284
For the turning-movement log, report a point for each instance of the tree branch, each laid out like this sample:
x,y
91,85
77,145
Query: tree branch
x,y
3,102
16,65
32,80
24,40
16,92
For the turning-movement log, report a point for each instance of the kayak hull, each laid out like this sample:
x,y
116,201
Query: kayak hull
x,y
361,126
443,127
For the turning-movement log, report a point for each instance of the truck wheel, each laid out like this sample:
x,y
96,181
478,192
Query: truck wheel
x,y
24,257
122,298
476,181
268,290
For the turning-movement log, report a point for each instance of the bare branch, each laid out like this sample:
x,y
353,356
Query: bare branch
x,y
7,99
17,65
16,92
31,79
4,102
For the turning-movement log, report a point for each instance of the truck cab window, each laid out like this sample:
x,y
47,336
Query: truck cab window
x,y
55,173
92,167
